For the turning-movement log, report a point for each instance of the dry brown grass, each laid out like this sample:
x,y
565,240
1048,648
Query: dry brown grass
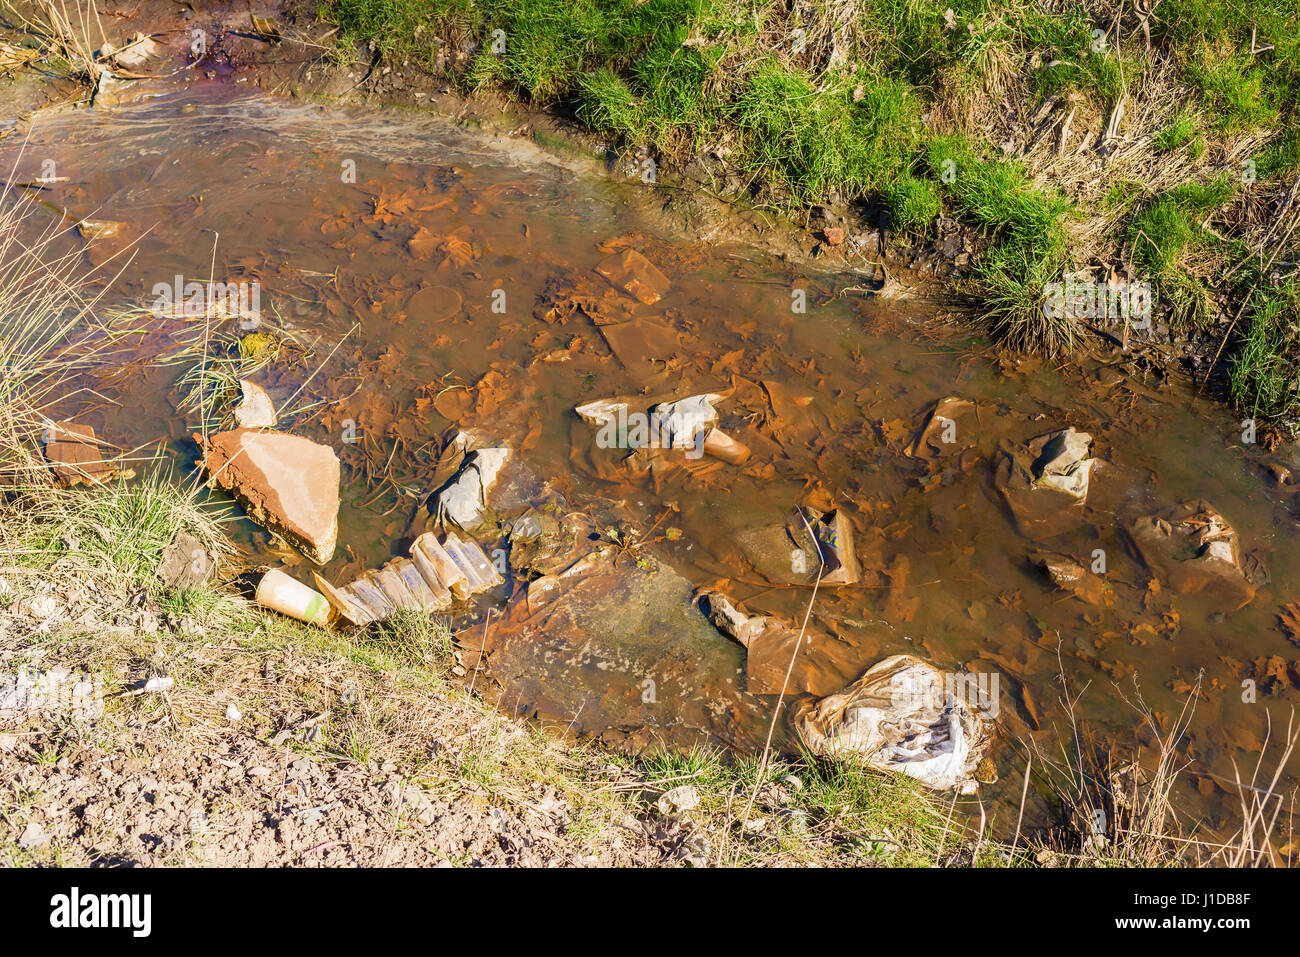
x,y
1123,808
49,329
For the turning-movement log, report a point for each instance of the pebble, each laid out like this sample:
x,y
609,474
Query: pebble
x,y
34,836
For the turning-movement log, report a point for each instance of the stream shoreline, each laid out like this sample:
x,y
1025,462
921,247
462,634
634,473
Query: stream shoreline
x,y
189,735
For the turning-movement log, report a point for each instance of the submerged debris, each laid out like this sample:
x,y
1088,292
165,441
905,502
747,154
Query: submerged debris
x,y
1070,576
1045,482
634,274
688,424
778,657
811,543
1194,549
462,500
73,452
947,428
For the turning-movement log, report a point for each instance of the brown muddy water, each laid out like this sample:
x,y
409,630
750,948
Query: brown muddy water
x,y
388,284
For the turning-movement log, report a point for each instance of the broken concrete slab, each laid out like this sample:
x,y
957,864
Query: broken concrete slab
x,y
285,482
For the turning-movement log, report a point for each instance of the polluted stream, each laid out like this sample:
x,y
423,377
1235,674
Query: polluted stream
x,y
418,279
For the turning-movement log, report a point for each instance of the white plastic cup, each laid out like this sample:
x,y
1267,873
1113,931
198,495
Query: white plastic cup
x,y
288,596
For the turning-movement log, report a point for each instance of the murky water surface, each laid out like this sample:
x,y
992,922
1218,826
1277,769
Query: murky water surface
x,y
452,283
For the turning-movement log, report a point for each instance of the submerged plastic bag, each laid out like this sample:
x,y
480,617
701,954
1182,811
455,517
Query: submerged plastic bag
x,y
461,501
901,716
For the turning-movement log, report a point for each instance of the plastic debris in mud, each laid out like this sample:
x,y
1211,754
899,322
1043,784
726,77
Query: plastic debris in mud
x,y
1070,576
810,543
1194,549
631,272
948,428
435,576
688,424
834,535
138,49
904,715
1063,463
780,657
1045,482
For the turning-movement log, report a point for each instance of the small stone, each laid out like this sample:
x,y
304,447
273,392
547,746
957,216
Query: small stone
x,y
186,563
34,836
232,713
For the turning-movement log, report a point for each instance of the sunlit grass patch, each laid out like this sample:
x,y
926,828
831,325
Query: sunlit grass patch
x,y
120,528
1178,133
1264,372
1169,237
811,143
